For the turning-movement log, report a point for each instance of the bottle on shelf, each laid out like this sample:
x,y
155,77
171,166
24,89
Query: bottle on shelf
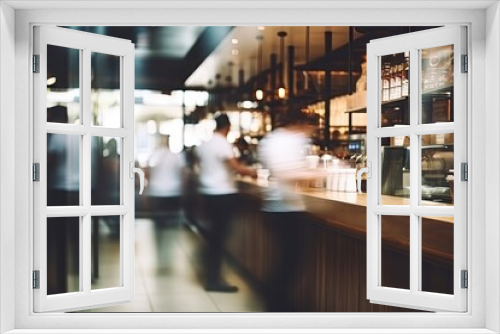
x,y
386,85
405,82
392,82
398,81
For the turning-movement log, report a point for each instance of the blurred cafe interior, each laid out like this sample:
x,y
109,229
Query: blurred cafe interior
x,y
185,76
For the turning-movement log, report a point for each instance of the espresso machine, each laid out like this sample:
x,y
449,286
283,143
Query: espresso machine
x,y
437,167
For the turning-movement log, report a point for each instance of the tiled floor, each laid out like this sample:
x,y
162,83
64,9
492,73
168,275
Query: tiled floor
x,y
167,274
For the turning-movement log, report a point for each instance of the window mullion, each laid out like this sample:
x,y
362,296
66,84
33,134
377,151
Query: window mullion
x,y
415,171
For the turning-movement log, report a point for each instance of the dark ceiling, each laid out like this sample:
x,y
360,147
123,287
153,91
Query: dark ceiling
x,y
167,56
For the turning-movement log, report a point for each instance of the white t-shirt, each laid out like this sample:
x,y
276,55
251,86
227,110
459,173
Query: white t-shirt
x,y
166,173
283,153
216,178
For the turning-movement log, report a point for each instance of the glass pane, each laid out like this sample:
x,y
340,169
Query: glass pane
x,y
106,170
63,85
105,95
437,254
63,169
437,84
106,258
395,71
395,231
395,172
437,169
63,255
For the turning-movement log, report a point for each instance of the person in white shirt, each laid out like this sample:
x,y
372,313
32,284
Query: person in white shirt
x,y
216,184
283,153
166,178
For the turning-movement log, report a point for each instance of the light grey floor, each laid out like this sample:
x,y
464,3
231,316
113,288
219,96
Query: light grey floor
x,y
167,274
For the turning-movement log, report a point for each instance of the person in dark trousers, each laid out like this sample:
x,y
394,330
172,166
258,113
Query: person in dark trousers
x,y
283,152
217,166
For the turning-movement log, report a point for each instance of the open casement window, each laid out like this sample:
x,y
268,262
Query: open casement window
x,y
416,150
82,103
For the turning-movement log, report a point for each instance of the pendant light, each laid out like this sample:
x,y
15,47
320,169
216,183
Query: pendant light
x,y
281,87
259,93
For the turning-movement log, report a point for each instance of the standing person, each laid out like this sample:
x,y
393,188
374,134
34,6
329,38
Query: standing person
x,y
63,189
218,188
166,178
283,152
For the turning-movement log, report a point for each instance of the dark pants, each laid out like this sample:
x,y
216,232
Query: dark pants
x,y
218,211
165,210
284,230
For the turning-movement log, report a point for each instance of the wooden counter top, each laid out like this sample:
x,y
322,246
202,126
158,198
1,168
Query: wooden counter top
x,y
346,212
353,198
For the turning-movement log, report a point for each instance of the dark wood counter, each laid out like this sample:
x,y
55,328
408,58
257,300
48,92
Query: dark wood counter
x,y
331,276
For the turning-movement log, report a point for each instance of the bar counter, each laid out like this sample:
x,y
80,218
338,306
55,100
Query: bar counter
x,y
331,275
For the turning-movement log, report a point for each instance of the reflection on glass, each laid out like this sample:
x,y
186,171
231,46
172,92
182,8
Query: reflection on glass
x,y
63,169
437,84
395,233
105,252
63,255
437,238
63,83
437,169
395,157
105,170
105,94
395,84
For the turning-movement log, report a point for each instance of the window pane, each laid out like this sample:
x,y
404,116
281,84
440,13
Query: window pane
x,y
437,84
63,169
106,254
63,255
395,232
395,157
437,254
106,170
63,85
437,169
105,95
395,70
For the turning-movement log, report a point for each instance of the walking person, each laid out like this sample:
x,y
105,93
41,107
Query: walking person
x,y
283,152
217,168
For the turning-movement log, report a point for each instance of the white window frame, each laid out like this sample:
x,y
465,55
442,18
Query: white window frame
x,y
414,43
482,316
86,44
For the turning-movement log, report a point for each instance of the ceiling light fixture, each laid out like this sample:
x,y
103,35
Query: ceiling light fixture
x,y
259,93
282,89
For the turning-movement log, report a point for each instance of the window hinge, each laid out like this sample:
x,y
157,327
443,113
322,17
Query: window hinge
x,y
465,279
36,172
36,63
465,64
464,171
36,279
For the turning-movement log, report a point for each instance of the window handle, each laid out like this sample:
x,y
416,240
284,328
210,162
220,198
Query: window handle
x,y
141,175
360,173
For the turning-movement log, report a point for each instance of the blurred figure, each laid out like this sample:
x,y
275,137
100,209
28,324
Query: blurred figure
x,y
106,183
166,179
217,185
110,179
283,152
63,163
243,151
63,189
